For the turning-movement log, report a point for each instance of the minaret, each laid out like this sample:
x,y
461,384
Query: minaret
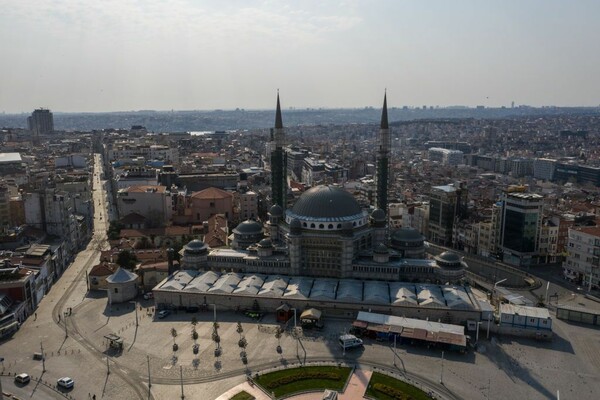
x,y
279,161
383,159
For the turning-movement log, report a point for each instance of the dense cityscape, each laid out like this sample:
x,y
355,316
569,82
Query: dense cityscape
x,y
479,223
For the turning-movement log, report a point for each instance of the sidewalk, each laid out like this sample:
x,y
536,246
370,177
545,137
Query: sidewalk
x,y
253,390
357,386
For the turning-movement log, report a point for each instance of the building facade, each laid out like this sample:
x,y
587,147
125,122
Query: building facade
x,y
521,224
446,204
41,122
582,264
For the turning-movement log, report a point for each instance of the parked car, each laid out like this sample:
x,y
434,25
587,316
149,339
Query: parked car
x,y
66,382
22,378
163,313
148,296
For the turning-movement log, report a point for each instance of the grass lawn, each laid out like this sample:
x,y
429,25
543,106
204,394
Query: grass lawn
x,y
408,391
305,378
243,396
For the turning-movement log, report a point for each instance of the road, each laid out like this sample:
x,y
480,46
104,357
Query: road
x,y
67,352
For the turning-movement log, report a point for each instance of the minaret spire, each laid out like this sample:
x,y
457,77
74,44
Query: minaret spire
x,y
278,119
279,161
383,159
384,117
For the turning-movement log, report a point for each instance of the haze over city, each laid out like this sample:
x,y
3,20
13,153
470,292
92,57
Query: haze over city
x,y
75,56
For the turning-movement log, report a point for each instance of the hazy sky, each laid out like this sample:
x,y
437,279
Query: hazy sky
x,y
109,55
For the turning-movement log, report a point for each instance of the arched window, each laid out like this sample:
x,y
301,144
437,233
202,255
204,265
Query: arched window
x,y
330,226
321,226
312,225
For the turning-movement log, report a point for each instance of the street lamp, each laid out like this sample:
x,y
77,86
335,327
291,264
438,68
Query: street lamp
x,y
66,314
214,312
494,290
296,335
294,310
394,361
442,371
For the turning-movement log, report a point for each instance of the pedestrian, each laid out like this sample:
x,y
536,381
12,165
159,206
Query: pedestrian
x,y
94,397
35,316
58,317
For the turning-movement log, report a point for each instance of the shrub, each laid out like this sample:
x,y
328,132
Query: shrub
x,y
303,375
392,392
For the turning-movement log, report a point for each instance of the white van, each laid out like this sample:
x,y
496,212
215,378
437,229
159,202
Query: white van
x,y
350,341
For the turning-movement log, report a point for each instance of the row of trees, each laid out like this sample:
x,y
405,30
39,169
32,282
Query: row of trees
x,y
216,338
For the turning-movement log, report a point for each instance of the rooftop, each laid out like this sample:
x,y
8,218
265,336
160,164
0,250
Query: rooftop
x,y
10,157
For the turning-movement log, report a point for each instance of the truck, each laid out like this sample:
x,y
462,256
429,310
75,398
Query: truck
x,y
350,341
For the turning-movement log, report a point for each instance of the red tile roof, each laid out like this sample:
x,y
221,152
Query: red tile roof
x,y
212,193
103,269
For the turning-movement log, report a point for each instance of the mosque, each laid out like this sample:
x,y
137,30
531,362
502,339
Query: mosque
x,y
325,251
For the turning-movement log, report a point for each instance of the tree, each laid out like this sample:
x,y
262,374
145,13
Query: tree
x,y
216,338
114,230
126,259
174,334
194,333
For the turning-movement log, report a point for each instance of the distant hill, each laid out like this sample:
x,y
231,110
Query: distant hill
x,y
177,121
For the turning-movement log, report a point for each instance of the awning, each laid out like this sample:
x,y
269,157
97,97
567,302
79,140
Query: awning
x,y
379,328
360,324
311,313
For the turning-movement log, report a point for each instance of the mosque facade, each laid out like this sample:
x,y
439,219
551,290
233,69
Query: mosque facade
x,y
326,236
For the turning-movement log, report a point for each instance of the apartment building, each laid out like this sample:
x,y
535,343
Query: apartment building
x,y
582,264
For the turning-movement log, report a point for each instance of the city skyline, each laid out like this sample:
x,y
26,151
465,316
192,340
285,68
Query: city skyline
x,y
72,56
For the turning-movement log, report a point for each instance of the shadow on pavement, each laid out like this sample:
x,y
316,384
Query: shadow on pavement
x,y
514,370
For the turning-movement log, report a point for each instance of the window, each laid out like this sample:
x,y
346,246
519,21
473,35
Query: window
x,y
116,290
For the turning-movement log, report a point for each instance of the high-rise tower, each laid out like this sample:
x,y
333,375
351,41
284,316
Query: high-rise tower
x,y
41,122
279,161
383,159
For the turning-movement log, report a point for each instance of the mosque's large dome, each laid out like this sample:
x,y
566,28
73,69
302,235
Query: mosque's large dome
x,y
328,202
326,208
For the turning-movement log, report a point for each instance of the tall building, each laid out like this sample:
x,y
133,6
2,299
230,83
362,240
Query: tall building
x,y
41,122
279,161
583,262
446,204
383,159
446,156
521,223
543,168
